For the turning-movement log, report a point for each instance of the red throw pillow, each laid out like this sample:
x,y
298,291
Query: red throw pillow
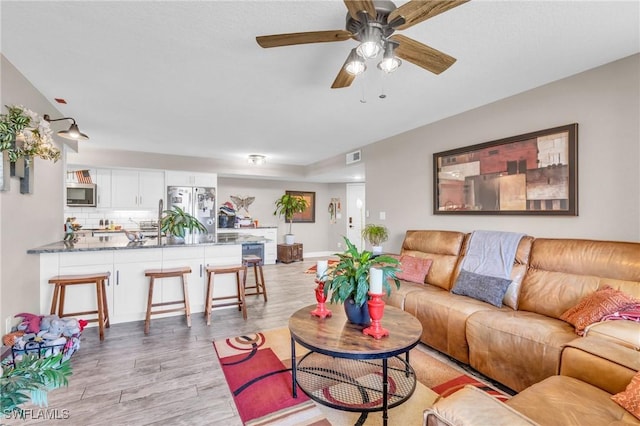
x,y
414,269
629,399
593,307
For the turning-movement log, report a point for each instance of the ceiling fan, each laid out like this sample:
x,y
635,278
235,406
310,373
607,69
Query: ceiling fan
x,y
372,23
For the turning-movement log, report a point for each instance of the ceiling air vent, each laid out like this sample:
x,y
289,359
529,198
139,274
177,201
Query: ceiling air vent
x,y
354,157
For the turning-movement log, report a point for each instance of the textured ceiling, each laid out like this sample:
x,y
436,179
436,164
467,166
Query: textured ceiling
x,y
188,77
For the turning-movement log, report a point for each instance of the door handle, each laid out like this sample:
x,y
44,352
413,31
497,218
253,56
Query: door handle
x,y
201,270
117,277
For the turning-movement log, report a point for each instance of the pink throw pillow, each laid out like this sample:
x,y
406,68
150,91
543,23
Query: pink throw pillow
x,y
629,399
414,269
594,307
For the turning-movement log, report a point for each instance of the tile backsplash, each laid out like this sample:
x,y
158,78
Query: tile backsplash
x,y
89,217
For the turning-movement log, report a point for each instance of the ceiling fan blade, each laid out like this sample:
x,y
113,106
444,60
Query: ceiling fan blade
x,y
355,6
277,40
343,79
416,11
422,55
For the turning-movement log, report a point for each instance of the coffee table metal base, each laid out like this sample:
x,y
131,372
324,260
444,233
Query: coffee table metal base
x,y
358,385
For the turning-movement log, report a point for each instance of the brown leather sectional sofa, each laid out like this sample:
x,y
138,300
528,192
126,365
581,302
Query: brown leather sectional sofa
x,y
521,344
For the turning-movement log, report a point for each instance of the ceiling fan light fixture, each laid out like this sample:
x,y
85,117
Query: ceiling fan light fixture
x,y
369,49
389,62
355,64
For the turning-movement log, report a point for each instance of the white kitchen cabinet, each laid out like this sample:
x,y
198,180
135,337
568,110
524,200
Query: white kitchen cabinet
x,y
175,257
130,286
136,189
81,298
103,187
178,178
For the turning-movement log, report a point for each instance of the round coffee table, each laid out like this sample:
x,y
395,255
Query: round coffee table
x,y
349,370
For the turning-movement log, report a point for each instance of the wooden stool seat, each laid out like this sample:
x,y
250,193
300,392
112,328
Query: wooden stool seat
x,y
239,298
154,274
59,294
251,260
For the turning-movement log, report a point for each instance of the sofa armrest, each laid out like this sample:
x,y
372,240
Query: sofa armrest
x,y
600,362
471,406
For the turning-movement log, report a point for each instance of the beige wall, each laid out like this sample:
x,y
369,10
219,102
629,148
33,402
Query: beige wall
x,y
603,101
314,236
30,220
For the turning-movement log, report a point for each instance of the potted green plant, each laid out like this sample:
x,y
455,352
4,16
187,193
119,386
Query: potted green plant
x,y
176,222
375,235
348,281
287,206
29,380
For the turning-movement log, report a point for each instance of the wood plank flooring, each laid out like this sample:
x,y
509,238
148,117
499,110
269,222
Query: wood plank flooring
x,y
172,375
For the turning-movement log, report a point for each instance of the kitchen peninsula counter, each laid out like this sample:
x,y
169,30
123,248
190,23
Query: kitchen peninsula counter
x,y
121,242
127,287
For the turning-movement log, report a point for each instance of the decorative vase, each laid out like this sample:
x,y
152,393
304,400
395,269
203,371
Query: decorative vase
x,y
376,249
289,239
356,314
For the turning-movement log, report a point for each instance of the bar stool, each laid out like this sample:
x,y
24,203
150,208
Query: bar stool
x,y
167,273
59,292
254,261
211,272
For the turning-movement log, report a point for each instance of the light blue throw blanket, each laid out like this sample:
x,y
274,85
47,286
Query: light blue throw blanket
x,y
491,253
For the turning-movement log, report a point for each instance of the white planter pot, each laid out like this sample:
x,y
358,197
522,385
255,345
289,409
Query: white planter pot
x,y
376,249
289,238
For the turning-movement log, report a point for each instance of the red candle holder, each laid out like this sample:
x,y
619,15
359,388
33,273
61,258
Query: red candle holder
x,y
376,311
321,311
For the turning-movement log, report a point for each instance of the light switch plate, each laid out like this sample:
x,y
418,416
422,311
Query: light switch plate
x,y
383,215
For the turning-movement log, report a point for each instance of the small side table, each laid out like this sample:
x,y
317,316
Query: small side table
x,y
288,253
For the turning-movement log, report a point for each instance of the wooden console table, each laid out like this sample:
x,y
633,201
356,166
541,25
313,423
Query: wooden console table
x,y
288,253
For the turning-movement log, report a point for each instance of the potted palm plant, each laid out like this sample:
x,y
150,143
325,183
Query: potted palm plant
x,y
287,206
375,235
29,380
176,222
348,281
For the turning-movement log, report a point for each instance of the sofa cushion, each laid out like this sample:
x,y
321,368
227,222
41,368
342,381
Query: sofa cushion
x,y
481,287
414,269
561,400
443,316
593,307
442,247
623,332
629,399
563,271
516,348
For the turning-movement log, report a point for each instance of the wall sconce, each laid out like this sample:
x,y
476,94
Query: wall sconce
x,y
73,133
256,159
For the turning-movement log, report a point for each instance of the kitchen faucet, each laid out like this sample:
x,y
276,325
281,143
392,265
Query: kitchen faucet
x,y
160,208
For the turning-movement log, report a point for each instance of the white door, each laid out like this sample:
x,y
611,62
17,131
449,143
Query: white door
x,y
355,213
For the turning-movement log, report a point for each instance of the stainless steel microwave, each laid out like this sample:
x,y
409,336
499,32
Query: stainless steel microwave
x,y
81,194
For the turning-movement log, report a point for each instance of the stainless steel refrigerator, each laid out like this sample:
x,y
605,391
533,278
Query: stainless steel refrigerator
x,y
199,202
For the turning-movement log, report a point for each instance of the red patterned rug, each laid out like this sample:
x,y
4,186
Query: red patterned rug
x,y
257,369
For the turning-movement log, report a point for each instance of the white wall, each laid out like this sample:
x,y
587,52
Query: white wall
x,y
603,101
27,220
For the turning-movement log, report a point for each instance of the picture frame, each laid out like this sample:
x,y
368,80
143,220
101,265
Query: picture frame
x,y
309,215
531,174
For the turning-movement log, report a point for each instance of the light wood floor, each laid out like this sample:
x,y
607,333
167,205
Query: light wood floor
x,y
171,376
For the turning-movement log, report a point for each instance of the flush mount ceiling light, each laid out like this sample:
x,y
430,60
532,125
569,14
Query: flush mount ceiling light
x,y
73,133
256,159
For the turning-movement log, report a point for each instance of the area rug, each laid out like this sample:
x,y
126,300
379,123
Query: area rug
x,y
257,369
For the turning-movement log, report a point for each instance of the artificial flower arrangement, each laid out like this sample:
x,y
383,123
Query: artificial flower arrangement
x,y
24,133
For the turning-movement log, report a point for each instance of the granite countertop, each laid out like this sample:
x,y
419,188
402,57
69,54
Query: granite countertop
x,y
121,242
